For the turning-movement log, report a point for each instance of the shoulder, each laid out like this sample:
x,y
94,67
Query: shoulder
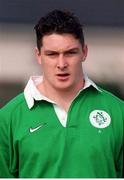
x,y
111,102
13,105
110,97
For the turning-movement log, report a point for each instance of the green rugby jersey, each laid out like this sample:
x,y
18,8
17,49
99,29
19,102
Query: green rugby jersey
x,y
34,144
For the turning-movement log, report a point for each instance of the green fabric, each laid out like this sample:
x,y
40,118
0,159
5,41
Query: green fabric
x,y
78,151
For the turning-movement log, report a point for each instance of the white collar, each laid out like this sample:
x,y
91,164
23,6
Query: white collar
x,y
31,92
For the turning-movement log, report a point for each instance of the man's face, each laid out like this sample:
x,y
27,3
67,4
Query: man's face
x,y
61,59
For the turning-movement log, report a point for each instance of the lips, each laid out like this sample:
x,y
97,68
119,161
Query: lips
x,y
63,76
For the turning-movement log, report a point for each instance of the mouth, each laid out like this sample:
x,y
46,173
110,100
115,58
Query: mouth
x,y
63,76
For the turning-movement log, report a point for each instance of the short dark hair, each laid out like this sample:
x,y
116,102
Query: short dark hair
x,y
60,22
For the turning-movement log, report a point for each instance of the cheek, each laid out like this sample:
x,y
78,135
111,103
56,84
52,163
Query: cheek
x,y
77,69
77,65
49,63
48,69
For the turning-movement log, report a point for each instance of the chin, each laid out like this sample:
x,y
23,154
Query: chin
x,y
63,87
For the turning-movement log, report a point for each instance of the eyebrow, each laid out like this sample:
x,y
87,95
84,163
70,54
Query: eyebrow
x,y
68,50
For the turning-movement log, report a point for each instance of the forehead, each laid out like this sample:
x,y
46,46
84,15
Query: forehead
x,y
60,42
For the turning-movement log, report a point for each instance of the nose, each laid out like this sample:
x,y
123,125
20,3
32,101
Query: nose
x,y
61,62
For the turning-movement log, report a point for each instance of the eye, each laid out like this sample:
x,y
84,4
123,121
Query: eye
x,y
51,54
71,53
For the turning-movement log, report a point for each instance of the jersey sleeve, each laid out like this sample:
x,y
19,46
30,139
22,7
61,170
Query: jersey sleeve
x,y
6,150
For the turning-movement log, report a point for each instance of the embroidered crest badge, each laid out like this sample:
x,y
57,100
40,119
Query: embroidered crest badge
x,y
100,119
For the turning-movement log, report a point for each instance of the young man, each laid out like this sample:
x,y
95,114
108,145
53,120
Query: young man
x,y
63,125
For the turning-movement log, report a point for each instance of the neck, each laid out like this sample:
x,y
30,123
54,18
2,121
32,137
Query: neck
x,y
62,97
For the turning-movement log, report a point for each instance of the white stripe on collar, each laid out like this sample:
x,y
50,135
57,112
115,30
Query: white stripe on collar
x,y
31,92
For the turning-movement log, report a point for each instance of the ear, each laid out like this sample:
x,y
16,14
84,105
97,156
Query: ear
x,y
38,55
85,51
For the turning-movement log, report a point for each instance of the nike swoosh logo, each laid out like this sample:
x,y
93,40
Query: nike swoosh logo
x,y
35,129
